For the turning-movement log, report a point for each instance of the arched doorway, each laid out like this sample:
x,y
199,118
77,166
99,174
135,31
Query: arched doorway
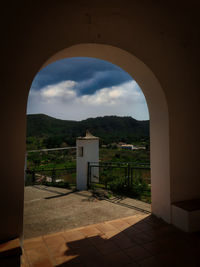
x,y
158,110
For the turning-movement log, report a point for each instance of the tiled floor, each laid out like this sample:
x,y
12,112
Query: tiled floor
x,y
139,240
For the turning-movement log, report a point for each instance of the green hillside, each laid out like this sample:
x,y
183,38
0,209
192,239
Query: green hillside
x,y
45,131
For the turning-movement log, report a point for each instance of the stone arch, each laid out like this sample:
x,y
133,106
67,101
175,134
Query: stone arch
x,y
158,110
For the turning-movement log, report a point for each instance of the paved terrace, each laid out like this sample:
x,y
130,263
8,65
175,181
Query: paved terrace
x,y
50,209
138,240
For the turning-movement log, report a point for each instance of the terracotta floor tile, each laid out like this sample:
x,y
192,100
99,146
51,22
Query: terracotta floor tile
x,y
33,243
107,247
118,258
64,259
172,243
99,262
24,261
137,253
154,222
57,247
143,216
141,238
58,250
39,257
53,241
106,227
122,241
192,240
91,256
131,231
75,262
88,254
76,239
153,247
165,245
133,264
143,226
89,231
120,224
73,235
24,265
132,220
193,255
159,233
43,263
110,234
97,240
151,262
173,259
79,243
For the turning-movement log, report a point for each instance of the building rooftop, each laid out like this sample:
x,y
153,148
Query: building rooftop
x,y
88,136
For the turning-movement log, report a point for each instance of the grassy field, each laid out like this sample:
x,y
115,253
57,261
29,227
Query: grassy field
x,y
67,158
119,155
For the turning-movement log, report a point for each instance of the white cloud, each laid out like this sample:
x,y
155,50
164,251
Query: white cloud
x,y
62,101
63,90
114,96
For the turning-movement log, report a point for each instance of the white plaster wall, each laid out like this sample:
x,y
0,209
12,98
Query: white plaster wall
x,y
180,218
194,219
188,221
161,34
90,154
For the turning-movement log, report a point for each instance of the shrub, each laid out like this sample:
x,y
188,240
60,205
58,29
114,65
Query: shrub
x,y
137,189
59,184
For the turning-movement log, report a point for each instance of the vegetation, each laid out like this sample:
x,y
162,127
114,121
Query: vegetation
x,y
47,132
31,181
139,189
119,155
52,159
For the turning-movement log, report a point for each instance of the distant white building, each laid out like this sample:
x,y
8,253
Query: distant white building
x,y
128,147
131,147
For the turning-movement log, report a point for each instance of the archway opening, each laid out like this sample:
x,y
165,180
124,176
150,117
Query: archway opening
x,y
153,93
68,98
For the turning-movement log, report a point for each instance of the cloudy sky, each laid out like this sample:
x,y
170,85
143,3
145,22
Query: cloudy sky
x,y
80,88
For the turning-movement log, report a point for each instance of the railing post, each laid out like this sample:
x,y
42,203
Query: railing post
x,y
131,176
88,175
53,175
128,174
125,169
33,177
106,181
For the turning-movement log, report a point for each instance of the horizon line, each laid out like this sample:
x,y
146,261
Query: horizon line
x,y
128,116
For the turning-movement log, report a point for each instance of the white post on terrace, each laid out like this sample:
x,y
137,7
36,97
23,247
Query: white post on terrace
x,y
87,151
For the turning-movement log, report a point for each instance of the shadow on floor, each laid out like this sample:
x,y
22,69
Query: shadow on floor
x,y
116,200
132,241
46,188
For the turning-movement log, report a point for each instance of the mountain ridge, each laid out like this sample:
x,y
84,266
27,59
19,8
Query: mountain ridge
x,y
110,129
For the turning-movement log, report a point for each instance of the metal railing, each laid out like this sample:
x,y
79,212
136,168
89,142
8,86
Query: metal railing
x,y
54,176
121,177
126,170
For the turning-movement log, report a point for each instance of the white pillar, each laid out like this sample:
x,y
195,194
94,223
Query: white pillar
x,y
87,151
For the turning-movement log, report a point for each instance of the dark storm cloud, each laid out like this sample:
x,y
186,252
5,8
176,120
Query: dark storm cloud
x,y
90,73
79,88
